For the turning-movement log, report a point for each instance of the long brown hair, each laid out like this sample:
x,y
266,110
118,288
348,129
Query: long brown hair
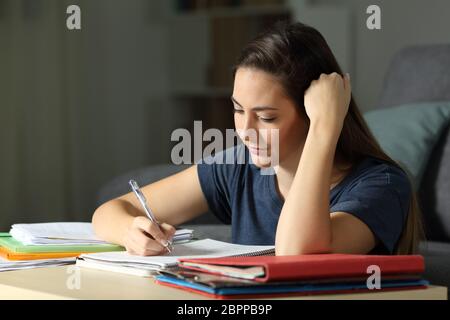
x,y
297,54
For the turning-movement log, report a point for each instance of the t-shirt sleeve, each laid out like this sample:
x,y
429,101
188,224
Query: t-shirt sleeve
x,y
215,180
381,201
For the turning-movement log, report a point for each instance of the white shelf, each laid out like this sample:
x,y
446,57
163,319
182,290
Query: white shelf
x,y
192,29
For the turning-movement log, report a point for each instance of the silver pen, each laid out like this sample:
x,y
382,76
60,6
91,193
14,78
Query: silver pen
x,y
137,191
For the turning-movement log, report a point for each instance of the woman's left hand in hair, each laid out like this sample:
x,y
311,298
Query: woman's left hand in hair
x,y
327,100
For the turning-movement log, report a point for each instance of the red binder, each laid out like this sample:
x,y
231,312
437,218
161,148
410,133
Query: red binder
x,y
318,266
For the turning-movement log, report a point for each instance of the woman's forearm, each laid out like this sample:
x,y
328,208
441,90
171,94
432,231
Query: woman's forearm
x,y
111,220
304,225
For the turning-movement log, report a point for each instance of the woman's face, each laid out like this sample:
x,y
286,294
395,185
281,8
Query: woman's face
x,y
261,103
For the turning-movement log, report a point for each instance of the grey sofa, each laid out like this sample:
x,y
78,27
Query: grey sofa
x,y
418,73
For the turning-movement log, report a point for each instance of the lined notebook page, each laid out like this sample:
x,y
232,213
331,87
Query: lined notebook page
x,y
206,248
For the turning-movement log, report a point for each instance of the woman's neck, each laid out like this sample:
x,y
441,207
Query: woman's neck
x,y
286,170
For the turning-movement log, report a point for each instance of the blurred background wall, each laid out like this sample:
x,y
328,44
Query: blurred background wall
x,y
80,107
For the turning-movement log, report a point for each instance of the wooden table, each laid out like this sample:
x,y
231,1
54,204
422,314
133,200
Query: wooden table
x,y
58,283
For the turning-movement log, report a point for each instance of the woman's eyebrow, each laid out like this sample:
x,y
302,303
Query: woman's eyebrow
x,y
257,108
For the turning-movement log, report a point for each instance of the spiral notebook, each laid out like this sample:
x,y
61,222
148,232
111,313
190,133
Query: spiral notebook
x,y
148,265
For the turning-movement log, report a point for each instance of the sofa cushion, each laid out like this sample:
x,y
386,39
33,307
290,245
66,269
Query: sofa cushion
x,y
417,73
408,133
434,192
421,73
418,136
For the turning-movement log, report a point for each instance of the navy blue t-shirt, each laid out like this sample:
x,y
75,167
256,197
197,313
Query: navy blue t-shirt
x,y
374,191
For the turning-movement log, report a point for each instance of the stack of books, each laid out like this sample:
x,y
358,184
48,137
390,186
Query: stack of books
x,y
54,244
48,244
273,276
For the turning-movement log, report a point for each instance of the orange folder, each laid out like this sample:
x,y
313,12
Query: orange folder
x,y
10,255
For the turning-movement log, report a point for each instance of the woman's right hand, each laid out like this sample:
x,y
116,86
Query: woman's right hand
x,y
145,238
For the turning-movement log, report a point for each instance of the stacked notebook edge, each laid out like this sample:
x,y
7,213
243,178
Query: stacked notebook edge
x,y
269,276
54,244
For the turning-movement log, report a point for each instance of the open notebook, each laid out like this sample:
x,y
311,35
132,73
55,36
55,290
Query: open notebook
x,y
148,265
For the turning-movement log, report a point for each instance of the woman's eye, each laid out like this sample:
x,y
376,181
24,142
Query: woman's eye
x,y
267,119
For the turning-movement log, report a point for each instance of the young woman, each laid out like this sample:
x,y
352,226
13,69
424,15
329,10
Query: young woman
x,y
334,189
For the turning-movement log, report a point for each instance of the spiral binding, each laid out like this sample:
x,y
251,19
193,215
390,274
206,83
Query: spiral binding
x,y
267,252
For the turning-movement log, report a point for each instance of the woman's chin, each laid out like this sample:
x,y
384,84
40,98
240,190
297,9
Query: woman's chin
x,y
261,162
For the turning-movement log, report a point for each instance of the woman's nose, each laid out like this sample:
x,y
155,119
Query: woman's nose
x,y
249,130
249,124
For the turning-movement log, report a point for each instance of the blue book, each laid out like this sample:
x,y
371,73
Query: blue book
x,y
249,289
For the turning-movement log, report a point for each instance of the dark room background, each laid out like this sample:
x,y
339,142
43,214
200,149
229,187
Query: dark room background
x,y
79,107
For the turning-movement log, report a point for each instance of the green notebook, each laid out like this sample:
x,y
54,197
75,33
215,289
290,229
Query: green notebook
x,y
15,246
